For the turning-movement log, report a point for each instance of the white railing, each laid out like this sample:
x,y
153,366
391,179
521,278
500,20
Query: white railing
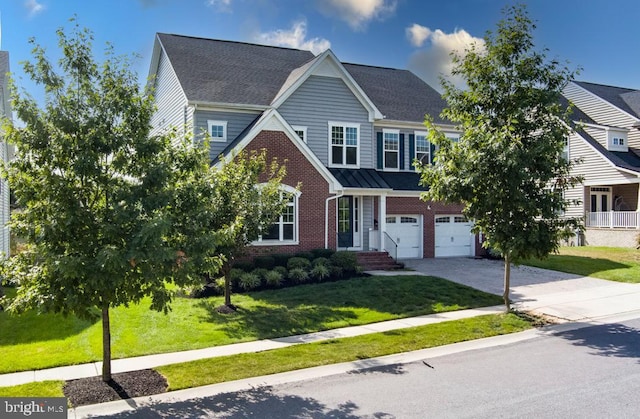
x,y
614,219
390,246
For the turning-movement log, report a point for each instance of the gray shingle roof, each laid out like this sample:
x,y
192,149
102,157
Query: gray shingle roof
x,y
620,97
218,71
399,94
230,72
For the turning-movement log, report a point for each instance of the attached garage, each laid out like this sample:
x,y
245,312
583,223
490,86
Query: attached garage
x,y
453,236
406,231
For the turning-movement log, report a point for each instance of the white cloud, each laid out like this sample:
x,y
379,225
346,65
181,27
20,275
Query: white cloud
x,y
221,5
294,38
357,13
417,34
435,60
33,7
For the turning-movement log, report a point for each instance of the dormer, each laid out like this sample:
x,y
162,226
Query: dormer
x,y
617,139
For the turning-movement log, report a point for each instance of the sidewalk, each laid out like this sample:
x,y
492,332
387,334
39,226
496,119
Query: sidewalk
x,y
150,361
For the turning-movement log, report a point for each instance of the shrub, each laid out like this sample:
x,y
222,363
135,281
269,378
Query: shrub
x,y
306,255
265,262
321,261
244,265
235,274
345,260
320,272
280,260
336,272
298,275
274,278
249,281
322,253
297,262
283,271
260,272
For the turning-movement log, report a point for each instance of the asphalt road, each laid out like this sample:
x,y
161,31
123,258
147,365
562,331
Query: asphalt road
x,y
593,372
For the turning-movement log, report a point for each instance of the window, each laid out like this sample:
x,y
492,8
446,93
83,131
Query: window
x,y
440,220
391,141
408,220
217,130
423,148
618,141
301,131
285,229
344,140
390,220
459,219
565,150
453,136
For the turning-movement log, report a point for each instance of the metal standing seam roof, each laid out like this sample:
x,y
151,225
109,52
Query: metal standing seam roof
x,y
217,71
374,179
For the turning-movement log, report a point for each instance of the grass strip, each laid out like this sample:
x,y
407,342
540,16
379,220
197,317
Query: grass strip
x,y
235,367
51,388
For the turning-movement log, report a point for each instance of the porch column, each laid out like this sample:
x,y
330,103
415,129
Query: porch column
x,y
382,219
638,209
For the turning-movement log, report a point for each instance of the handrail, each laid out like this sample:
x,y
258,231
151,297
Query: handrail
x,y
395,250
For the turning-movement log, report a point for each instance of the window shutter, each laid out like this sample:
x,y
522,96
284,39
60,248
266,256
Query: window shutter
x,y
412,150
379,149
401,156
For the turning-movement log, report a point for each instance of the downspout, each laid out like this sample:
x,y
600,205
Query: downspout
x,y
326,218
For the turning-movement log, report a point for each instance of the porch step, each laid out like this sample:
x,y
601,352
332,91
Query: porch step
x,y
377,261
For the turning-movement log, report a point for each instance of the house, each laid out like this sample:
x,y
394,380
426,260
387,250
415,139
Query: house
x,y
607,142
348,133
5,112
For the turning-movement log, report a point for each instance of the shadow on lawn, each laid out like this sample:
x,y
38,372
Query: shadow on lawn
x,y
614,340
579,265
33,327
262,402
315,307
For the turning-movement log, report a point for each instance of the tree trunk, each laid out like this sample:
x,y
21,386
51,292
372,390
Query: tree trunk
x,y
507,280
226,268
106,345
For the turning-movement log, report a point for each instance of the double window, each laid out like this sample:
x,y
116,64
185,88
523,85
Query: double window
x,y
391,141
217,130
284,229
344,144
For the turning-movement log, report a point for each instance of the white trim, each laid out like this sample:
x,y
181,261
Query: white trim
x,y
296,222
411,125
384,150
281,97
227,107
214,123
303,129
344,125
274,121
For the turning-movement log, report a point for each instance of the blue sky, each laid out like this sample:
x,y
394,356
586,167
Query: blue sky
x,y
599,36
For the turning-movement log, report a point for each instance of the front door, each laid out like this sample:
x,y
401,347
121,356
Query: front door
x,y
600,199
345,221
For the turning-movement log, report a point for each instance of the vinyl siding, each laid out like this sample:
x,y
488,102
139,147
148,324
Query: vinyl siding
x,y
602,112
169,99
594,167
367,220
236,123
321,99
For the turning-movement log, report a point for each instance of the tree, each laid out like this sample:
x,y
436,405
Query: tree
x,y
110,214
245,206
507,168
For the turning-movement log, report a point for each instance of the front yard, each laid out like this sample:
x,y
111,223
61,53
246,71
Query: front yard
x,y
33,341
612,263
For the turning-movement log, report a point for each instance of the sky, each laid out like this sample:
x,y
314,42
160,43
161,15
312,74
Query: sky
x,y
600,37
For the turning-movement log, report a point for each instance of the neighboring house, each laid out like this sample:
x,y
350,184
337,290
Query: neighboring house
x,y
348,134
5,112
607,140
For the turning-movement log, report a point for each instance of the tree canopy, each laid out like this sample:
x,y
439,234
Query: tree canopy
x,y
110,213
508,167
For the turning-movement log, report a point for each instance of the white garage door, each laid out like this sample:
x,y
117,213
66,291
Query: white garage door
x,y
453,236
406,231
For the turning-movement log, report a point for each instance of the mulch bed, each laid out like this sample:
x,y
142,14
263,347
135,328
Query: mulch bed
x,y
124,385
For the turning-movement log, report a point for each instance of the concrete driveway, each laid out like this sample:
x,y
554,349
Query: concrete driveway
x,y
564,296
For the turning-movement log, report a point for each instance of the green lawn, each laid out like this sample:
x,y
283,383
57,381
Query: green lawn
x,y
32,341
612,263
235,367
